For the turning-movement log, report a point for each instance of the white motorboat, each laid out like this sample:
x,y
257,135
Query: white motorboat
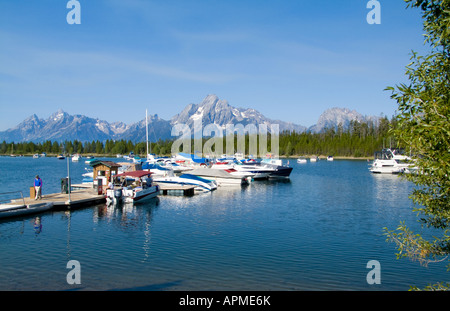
x,y
259,171
391,162
223,177
229,165
224,164
90,160
158,170
330,158
137,159
142,188
272,161
88,177
76,157
279,171
249,161
35,156
168,163
201,184
301,160
314,159
247,175
178,168
191,160
266,168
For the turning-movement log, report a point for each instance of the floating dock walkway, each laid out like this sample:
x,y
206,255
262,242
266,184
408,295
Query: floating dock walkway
x,y
80,196
57,201
75,199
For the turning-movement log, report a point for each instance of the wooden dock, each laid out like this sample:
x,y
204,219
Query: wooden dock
x,y
83,196
76,199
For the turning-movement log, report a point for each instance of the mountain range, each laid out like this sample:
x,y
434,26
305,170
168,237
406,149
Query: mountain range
x,y
61,126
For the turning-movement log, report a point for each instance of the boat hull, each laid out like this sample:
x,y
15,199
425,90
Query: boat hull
x,y
131,195
26,210
144,194
227,181
259,172
222,177
390,167
278,171
200,183
281,172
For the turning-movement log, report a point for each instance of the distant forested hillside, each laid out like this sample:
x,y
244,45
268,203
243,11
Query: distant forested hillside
x,y
360,139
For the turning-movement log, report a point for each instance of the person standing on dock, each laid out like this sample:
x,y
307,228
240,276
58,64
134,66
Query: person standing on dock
x,y
38,187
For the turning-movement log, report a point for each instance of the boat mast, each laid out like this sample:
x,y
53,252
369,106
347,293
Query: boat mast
x,y
146,130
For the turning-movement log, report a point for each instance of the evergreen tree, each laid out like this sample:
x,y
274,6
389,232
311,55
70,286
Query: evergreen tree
x,y
99,147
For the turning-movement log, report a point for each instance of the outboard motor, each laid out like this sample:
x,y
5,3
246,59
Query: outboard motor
x,y
118,194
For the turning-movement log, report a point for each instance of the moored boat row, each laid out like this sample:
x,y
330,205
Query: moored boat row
x,y
303,159
141,181
203,174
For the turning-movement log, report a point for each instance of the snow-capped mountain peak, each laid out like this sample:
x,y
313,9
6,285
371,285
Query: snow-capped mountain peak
x,y
61,126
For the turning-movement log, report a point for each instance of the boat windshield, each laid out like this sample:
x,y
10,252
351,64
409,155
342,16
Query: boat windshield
x,y
385,154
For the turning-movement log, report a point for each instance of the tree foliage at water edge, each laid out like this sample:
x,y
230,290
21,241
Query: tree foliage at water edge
x,y
424,127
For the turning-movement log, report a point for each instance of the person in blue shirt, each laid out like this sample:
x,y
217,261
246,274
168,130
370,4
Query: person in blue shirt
x,y
38,187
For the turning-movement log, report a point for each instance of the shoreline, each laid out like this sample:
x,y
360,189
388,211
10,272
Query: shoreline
x,y
322,157
97,155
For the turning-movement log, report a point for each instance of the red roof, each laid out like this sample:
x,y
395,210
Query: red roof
x,y
135,174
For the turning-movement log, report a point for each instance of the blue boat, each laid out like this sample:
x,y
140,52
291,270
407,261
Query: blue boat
x,y
192,158
201,184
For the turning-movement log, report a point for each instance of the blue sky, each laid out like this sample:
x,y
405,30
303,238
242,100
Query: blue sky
x,y
291,60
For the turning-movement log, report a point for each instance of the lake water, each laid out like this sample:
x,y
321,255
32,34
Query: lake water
x,y
316,231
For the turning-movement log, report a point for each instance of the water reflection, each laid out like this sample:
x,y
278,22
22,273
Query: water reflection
x,y
126,216
389,186
37,225
389,192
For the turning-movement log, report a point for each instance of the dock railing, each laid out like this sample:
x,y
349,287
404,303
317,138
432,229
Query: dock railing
x,y
12,198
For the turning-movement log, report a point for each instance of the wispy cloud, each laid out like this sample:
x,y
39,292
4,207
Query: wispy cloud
x,y
86,67
213,37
